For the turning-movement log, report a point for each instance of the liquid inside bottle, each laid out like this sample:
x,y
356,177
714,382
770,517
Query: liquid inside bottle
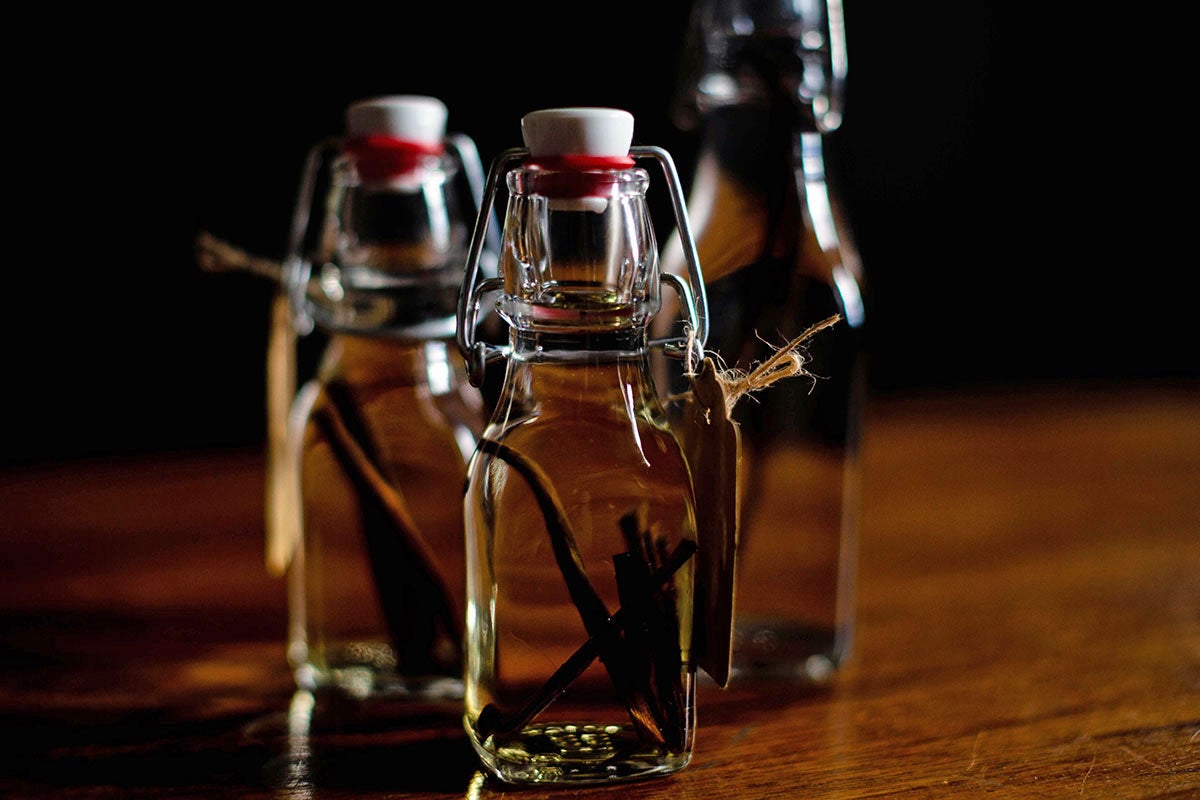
x,y
593,429
379,573
579,508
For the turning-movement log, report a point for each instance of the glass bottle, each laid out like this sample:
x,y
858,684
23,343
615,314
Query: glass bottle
x,y
368,480
580,512
764,87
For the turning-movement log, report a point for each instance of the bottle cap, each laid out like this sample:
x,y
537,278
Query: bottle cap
x,y
390,135
408,117
579,137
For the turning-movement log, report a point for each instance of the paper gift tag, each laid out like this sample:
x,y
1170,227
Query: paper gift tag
x,y
711,442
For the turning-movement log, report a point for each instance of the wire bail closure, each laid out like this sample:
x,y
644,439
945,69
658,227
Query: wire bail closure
x,y
692,295
297,266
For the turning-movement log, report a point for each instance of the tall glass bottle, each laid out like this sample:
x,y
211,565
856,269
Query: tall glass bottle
x,y
764,87
580,512
368,480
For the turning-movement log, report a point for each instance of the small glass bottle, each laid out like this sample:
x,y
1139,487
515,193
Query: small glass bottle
x,y
580,513
368,482
764,88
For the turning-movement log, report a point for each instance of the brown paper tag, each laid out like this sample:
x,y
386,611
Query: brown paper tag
x,y
710,441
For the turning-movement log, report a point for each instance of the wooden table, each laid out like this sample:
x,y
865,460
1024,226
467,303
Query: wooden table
x,y
1029,627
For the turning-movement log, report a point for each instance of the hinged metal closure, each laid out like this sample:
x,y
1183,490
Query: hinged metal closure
x,y
297,269
692,294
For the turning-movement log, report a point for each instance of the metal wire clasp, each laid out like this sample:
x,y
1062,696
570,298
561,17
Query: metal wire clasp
x,y
692,295
297,268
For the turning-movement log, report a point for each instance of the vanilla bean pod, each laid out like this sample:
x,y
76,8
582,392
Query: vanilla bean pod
x,y
492,720
615,653
653,627
413,597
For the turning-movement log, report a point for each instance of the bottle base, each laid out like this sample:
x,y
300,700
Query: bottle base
x,y
766,649
575,754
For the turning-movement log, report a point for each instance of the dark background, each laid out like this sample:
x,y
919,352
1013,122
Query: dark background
x,y
981,162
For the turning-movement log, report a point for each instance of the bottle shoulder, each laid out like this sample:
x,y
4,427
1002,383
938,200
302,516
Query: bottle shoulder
x,y
612,433
383,362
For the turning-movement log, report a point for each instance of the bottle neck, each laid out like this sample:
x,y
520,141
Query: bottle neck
x,y
585,346
767,165
781,181
578,251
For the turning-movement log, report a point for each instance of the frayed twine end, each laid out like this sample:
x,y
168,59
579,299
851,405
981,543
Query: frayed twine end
x,y
215,255
787,362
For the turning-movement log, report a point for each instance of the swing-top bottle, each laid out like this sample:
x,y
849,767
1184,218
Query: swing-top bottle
x,y
579,508
369,484
764,89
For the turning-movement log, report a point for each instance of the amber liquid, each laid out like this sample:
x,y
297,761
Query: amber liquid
x,y
595,431
378,579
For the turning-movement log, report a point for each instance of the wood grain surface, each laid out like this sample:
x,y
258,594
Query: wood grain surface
x,y
1029,627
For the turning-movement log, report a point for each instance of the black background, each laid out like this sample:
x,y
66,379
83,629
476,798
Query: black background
x,y
981,162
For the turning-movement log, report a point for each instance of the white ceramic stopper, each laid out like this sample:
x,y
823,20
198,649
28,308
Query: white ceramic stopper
x,y
413,118
604,132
